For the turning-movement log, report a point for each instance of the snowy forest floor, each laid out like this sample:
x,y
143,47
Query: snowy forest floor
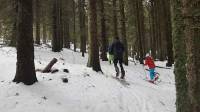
x,y
86,91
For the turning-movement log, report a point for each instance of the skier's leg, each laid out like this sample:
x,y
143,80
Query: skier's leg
x,y
152,74
122,68
116,67
112,58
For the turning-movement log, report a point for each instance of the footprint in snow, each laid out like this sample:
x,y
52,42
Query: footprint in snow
x,y
58,103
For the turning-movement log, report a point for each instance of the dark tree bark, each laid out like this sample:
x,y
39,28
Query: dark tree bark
x,y
115,21
168,26
60,24
123,30
14,32
182,97
161,29
161,41
47,69
192,34
57,27
55,46
156,27
44,33
82,26
140,29
93,60
37,21
66,34
132,22
44,27
25,51
66,25
153,30
74,24
104,40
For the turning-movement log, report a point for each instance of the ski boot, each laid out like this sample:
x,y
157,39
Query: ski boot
x,y
117,74
123,75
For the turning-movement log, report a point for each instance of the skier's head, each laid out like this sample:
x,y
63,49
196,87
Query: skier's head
x,y
147,55
116,38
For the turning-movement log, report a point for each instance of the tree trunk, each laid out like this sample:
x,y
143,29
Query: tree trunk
x,y
44,19
123,31
25,51
55,46
182,97
104,40
153,24
168,23
66,34
44,33
93,60
54,28
161,29
60,24
140,29
115,21
57,28
0,28
74,24
82,26
156,12
192,34
37,17
66,25
14,32
132,19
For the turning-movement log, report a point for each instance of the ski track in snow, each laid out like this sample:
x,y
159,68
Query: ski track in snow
x,y
87,91
129,96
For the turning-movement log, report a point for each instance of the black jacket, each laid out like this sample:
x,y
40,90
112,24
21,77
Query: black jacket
x,y
117,49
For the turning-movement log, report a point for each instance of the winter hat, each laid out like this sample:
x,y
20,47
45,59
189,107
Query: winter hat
x,y
147,55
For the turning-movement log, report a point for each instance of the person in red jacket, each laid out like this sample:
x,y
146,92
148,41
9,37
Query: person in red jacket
x,y
151,65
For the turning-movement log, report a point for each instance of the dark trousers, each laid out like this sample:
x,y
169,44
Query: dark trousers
x,y
120,61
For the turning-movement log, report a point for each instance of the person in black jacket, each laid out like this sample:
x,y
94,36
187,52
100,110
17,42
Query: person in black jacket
x,y
117,49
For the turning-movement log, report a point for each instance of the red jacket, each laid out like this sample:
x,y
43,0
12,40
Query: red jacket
x,y
149,62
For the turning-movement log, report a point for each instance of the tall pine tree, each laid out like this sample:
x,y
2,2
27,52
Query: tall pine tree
x,y
25,51
37,21
123,30
192,37
104,38
93,60
81,6
182,97
57,27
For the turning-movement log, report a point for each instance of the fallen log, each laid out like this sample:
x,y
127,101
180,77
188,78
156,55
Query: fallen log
x,y
54,71
47,69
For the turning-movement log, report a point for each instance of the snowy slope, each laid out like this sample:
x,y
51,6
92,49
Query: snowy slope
x,y
87,91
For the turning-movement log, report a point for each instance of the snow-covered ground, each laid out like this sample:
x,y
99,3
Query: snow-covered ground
x,y
86,91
